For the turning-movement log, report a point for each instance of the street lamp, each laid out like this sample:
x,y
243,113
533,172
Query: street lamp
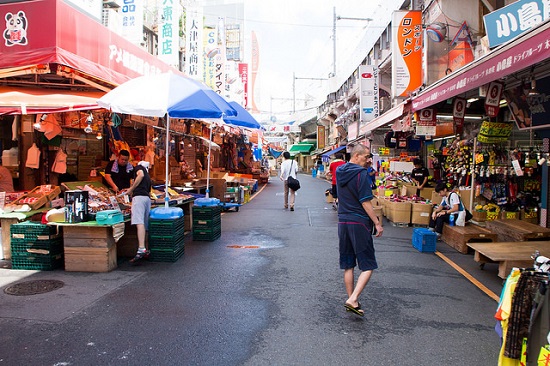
x,y
294,78
334,19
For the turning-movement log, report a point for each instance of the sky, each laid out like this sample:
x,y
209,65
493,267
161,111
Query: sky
x,y
295,38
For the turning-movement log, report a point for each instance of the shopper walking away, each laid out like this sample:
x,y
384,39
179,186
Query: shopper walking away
x,y
141,205
119,173
288,168
450,205
356,224
338,161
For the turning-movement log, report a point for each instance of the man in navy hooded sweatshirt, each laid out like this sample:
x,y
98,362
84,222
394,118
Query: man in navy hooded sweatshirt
x,y
356,221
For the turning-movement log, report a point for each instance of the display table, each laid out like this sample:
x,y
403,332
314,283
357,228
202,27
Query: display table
x,y
517,230
8,219
89,246
509,254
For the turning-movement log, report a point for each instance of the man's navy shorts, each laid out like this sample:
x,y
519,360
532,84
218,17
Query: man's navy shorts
x,y
356,246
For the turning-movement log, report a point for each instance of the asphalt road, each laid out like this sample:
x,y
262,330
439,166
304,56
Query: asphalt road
x,y
268,292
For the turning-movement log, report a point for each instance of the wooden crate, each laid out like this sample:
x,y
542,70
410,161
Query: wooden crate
x,y
92,259
88,236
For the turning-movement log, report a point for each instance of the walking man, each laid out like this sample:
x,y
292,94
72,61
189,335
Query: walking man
x,y
356,224
288,168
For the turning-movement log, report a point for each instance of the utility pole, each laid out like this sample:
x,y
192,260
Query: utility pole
x,y
334,19
294,78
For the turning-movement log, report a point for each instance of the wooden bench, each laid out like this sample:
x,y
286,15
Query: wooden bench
x,y
458,237
517,230
509,254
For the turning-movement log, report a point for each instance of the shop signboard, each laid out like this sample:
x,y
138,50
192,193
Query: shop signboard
x,y
459,110
494,132
368,92
510,21
193,42
81,43
530,108
406,52
243,73
132,21
220,58
168,35
427,122
492,100
321,137
521,54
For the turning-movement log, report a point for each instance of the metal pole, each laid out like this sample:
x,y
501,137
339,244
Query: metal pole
x,y
473,174
208,166
293,92
166,195
334,42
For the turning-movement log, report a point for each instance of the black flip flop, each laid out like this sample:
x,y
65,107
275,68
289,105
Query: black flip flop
x,y
356,310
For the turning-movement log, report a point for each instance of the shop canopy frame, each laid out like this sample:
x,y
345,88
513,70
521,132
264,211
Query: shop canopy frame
x,y
325,157
304,149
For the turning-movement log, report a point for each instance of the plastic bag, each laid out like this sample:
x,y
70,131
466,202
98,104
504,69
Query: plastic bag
x,y
461,219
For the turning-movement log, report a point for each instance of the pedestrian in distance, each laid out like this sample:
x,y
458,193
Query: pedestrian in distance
x,y
288,168
357,223
338,160
140,192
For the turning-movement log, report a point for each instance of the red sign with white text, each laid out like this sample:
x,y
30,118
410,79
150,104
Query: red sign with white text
x,y
56,33
243,73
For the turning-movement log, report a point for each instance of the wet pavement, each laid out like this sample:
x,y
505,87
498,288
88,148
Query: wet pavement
x,y
268,292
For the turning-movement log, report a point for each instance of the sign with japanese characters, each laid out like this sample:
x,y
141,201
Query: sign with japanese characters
x,y
494,132
510,21
168,32
369,93
243,73
220,58
492,101
132,21
406,52
193,42
515,57
459,110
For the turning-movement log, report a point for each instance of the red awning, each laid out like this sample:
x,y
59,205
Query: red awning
x,y
523,52
35,100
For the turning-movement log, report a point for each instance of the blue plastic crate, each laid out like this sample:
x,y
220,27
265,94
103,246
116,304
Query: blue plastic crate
x,y
424,240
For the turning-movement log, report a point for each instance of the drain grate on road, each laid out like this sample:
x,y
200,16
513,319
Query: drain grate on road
x,y
33,287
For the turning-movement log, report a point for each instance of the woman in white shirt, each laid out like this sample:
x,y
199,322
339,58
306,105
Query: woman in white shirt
x,y
288,168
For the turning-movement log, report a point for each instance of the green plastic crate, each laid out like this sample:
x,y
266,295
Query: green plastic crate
x,y
167,255
206,212
165,242
44,262
209,234
205,224
24,245
30,230
166,227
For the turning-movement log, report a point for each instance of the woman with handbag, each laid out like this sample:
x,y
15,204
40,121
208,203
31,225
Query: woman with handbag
x,y
289,168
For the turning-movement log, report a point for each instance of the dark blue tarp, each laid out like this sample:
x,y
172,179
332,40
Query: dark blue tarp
x,y
274,153
326,156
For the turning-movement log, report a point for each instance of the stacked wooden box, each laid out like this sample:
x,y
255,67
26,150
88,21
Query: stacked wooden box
x,y
89,248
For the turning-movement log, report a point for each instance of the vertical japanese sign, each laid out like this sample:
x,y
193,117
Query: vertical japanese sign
x,y
492,100
243,73
255,63
233,40
220,59
321,136
210,50
406,52
368,92
459,111
508,22
132,21
168,32
193,42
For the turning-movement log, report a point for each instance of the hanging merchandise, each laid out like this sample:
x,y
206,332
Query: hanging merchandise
x,y
33,157
60,163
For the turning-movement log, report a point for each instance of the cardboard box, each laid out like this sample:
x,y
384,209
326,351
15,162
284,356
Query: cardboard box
x,y
400,212
427,193
378,212
387,192
509,215
436,198
530,216
421,213
465,197
479,216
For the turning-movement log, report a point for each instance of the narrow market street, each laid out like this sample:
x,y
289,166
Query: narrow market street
x,y
268,292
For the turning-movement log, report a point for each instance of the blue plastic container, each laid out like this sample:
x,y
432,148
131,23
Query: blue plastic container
x,y
166,213
313,172
424,240
207,202
452,220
